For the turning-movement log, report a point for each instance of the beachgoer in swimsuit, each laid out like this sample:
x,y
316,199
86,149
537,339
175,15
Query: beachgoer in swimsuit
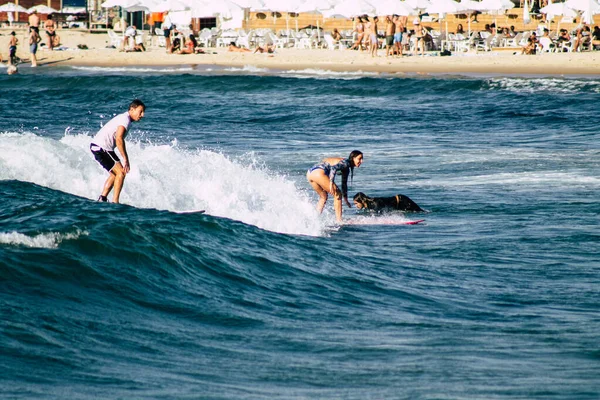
x,y
398,34
34,39
360,28
390,31
235,48
103,148
34,22
166,26
50,27
322,179
374,41
12,48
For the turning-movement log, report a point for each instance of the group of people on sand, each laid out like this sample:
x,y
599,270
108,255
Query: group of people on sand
x,y
34,39
267,48
397,37
175,40
321,176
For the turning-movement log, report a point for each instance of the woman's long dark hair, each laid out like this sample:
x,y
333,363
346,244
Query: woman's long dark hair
x,y
193,40
354,153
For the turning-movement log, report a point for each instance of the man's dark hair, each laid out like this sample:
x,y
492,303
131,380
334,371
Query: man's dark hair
x,y
136,103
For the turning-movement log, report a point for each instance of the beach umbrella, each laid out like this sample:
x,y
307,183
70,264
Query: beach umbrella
x,y
526,16
558,9
314,7
42,9
443,7
393,7
418,4
352,8
587,7
223,8
169,5
12,7
470,7
73,10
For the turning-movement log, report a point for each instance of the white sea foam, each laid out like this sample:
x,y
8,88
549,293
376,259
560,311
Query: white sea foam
x,y
535,85
49,240
328,74
167,177
134,69
246,68
526,180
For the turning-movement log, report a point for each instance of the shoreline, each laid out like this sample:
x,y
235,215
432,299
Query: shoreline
x,y
565,64
498,62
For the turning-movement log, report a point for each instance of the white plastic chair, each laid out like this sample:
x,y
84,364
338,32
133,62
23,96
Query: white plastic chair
x,y
331,45
115,40
547,45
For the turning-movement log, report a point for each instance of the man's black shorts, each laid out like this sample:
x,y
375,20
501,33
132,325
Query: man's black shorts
x,y
107,159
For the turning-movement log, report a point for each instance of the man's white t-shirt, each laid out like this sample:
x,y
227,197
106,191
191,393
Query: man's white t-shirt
x,y
105,137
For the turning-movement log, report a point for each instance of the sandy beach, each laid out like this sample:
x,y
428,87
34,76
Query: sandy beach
x,y
505,61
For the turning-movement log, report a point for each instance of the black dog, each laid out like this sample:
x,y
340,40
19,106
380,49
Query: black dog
x,y
398,202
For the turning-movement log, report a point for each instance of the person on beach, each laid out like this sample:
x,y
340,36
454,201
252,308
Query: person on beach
x,y
583,38
129,38
530,47
460,30
50,27
336,35
103,148
166,26
12,48
400,23
360,34
390,30
373,37
34,40
420,33
270,49
191,47
34,22
322,179
237,49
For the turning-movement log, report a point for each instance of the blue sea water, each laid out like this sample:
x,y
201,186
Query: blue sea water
x,y
495,296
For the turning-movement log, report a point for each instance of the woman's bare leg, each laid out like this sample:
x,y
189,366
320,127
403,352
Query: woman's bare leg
x,y
320,183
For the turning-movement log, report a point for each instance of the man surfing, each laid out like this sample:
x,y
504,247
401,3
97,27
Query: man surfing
x,y
103,148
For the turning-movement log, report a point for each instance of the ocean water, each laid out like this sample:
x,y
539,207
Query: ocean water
x,y
495,296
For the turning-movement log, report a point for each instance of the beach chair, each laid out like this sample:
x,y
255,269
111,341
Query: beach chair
x,y
514,41
331,45
271,38
245,39
547,45
160,37
115,39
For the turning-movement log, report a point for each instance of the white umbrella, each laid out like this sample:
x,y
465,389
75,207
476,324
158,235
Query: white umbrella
x,y
352,8
251,4
558,9
418,4
443,7
393,7
223,8
73,10
587,7
314,7
42,9
526,16
169,5
12,7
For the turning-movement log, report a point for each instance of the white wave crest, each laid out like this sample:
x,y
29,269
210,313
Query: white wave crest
x,y
166,177
556,85
49,240
134,69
